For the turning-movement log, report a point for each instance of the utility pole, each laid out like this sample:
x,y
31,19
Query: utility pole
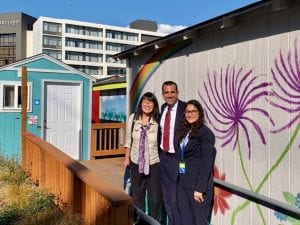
x,y
24,94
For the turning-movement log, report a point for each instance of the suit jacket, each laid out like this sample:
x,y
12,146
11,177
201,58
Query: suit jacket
x,y
199,158
179,117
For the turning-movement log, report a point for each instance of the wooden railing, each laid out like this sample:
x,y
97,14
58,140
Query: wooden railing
x,y
107,139
82,190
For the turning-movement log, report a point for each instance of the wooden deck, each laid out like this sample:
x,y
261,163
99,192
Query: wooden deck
x,y
111,169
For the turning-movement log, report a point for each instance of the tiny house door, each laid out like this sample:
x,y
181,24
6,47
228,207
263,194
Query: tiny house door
x,y
62,116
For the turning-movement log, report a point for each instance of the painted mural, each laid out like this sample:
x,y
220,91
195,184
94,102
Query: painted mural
x,y
149,68
113,108
255,117
247,77
230,98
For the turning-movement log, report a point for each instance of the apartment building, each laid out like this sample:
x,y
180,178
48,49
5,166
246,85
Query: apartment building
x,y
88,47
85,46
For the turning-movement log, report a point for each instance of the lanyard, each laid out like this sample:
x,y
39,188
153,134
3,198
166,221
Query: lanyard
x,y
183,144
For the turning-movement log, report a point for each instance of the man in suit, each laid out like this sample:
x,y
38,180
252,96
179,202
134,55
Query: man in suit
x,y
168,156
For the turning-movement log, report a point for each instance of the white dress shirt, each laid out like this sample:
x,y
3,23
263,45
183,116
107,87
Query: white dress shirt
x,y
172,127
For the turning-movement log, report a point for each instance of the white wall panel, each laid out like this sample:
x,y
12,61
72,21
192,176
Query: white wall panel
x,y
254,45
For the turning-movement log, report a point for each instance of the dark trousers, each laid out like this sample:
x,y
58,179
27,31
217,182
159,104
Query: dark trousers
x,y
169,175
140,183
191,211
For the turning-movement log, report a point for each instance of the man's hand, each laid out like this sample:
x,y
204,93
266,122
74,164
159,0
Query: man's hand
x,y
198,196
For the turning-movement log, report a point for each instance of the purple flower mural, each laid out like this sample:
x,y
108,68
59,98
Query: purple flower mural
x,y
286,76
285,96
229,101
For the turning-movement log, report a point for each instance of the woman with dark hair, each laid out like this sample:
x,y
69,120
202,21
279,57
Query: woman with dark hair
x,y
142,155
196,164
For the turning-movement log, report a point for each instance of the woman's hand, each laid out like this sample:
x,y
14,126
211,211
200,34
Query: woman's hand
x,y
127,157
126,161
198,196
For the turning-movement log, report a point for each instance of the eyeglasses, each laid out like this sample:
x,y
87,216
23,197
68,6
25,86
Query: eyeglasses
x,y
147,102
187,112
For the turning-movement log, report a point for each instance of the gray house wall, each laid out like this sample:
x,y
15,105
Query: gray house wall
x,y
251,64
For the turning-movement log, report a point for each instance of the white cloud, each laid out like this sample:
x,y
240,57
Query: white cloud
x,y
168,29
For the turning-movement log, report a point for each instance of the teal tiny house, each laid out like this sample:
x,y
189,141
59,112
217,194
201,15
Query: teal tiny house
x,y
59,106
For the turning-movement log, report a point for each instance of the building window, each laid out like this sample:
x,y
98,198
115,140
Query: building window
x,y
81,56
91,70
90,57
80,43
7,48
94,70
116,71
51,42
81,30
53,53
75,56
11,100
93,32
77,43
132,37
121,35
51,28
93,44
110,59
72,29
115,47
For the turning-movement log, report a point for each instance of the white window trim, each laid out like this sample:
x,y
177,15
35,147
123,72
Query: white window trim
x,y
15,108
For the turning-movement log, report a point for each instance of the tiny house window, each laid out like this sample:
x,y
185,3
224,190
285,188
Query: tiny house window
x,y
11,96
8,96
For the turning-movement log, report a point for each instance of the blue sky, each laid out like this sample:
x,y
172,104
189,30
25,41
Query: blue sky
x,y
172,13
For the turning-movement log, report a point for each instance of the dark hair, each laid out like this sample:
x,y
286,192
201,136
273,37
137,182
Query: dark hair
x,y
185,127
150,97
168,83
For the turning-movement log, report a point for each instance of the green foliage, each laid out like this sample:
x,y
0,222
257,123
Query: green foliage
x,y
289,197
50,217
11,172
23,203
39,201
9,215
293,201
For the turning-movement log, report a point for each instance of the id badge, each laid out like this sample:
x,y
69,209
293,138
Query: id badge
x,y
181,167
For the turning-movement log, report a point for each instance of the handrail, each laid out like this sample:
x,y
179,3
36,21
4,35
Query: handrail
x,y
242,192
81,189
258,198
107,139
145,217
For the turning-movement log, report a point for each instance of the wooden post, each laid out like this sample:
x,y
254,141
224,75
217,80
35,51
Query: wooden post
x,y
23,109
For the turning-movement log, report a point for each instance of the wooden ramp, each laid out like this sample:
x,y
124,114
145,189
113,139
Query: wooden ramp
x,y
111,169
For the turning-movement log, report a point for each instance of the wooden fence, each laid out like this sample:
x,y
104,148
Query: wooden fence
x,y
107,139
82,190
